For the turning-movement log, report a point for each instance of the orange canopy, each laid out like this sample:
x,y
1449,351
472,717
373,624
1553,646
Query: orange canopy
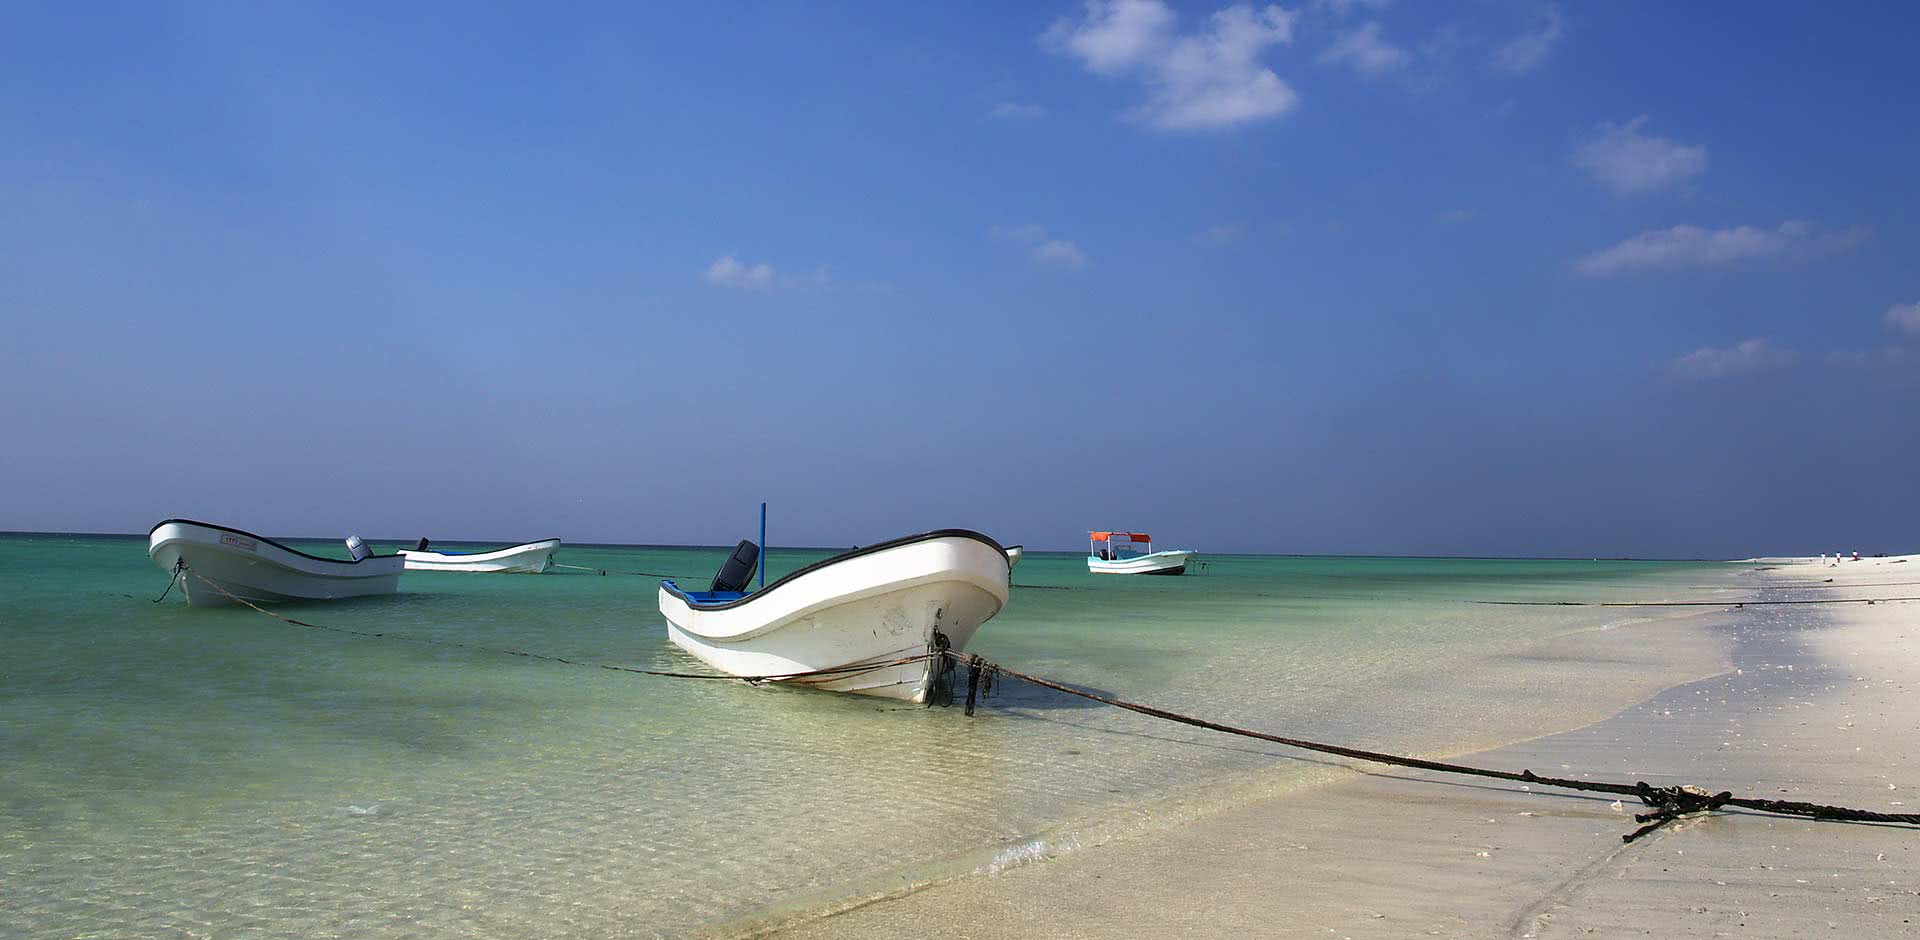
x,y
1129,536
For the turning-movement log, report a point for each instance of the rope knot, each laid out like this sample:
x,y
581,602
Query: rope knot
x,y
1671,803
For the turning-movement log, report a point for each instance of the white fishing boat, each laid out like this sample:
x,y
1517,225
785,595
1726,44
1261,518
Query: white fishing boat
x,y
869,606
1013,554
258,569
525,558
1119,553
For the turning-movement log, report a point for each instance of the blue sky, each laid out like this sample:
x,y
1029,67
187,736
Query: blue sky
x,y
1502,278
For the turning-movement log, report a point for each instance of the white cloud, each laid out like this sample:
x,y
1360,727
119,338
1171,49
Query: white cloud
x,y
1054,252
1364,50
1527,51
1684,246
1059,253
1117,35
1630,162
1718,362
1905,317
730,272
1014,110
1207,79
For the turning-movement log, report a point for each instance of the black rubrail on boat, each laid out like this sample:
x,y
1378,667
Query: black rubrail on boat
x,y
245,534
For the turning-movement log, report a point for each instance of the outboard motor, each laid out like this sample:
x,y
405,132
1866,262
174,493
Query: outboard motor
x,y
421,545
738,569
357,547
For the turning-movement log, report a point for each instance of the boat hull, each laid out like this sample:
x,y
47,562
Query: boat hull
x,y
527,558
1166,563
260,570
868,607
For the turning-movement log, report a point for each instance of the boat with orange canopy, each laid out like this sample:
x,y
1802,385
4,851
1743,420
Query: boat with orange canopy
x,y
1119,553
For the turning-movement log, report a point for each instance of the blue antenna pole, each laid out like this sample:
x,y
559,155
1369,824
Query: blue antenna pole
x,y
763,544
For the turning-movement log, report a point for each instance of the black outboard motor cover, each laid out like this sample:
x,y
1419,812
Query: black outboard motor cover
x,y
738,570
421,546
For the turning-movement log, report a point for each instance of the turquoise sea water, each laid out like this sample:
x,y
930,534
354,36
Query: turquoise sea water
x,y
172,771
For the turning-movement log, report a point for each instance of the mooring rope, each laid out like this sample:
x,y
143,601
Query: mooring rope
x,y
843,671
1803,585
643,574
1667,803
179,565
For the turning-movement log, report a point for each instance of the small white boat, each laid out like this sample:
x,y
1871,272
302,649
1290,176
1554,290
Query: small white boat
x,y
872,605
258,569
1013,554
525,558
1119,553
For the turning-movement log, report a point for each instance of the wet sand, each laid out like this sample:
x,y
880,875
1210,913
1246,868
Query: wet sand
x,y
1817,704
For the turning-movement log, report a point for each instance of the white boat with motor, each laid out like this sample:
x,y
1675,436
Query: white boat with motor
x,y
1104,556
525,558
260,570
872,605
1013,554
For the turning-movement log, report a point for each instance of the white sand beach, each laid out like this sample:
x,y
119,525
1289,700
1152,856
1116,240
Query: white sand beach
x,y
1810,702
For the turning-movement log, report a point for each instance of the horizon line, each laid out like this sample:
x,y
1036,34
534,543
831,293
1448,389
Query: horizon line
x,y
835,548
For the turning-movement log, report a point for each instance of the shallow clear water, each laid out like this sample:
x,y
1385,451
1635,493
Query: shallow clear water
x,y
212,772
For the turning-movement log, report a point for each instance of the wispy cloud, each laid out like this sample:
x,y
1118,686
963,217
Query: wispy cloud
x,y
1364,51
1905,318
1225,233
1014,110
1211,78
1053,252
1896,365
1719,362
1690,246
1527,51
729,271
1630,162
1448,40
1344,7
